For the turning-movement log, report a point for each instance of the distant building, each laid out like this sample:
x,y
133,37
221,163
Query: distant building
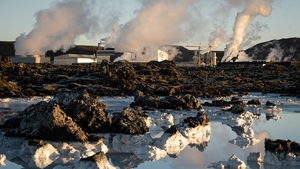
x,y
30,59
105,54
69,59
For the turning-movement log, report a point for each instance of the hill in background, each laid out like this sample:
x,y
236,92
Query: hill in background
x,y
279,50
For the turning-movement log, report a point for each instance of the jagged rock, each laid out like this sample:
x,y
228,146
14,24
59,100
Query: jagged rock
x,y
221,103
85,109
5,63
44,121
270,104
9,88
200,120
254,102
119,74
186,101
239,109
145,101
129,122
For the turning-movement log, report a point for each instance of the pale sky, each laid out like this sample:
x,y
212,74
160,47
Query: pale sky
x,y
18,16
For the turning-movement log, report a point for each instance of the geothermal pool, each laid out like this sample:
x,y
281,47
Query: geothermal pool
x,y
224,140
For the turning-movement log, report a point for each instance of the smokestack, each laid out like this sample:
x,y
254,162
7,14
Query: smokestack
x,y
243,19
57,28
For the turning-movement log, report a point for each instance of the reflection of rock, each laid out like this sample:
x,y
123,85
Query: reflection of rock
x,y
239,130
124,160
96,161
255,157
150,153
38,153
132,139
233,162
196,129
244,141
100,159
73,151
172,143
272,111
282,152
165,120
254,160
282,158
2,160
231,119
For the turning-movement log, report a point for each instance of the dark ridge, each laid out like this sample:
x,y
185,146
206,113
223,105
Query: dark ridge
x,y
283,49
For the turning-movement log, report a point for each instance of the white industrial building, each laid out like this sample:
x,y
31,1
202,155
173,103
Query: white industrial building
x,y
30,59
69,59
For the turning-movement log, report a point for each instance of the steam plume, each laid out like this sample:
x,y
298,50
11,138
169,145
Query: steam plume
x,y
158,22
243,19
216,38
57,28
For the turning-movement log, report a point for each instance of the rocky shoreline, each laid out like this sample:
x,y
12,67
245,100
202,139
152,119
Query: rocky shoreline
x,y
152,78
75,112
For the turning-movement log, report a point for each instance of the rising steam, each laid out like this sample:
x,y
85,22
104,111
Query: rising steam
x,y
157,23
243,19
216,38
57,28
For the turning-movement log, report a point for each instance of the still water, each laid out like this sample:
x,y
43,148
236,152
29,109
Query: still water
x,y
282,124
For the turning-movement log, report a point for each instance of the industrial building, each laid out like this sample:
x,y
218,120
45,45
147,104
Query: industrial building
x,y
69,59
108,54
30,59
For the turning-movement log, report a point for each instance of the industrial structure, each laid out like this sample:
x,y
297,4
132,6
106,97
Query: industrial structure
x,y
206,59
69,59
30,59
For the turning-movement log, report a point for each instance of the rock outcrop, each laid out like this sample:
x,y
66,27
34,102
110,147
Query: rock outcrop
x,y
44,121
129,122
153,78
185,102
70,116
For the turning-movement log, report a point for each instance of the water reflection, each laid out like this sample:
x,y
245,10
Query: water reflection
x,y
227,137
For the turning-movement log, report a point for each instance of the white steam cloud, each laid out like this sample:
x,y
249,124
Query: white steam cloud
x,y
57,28
243,19
157,23
216,38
